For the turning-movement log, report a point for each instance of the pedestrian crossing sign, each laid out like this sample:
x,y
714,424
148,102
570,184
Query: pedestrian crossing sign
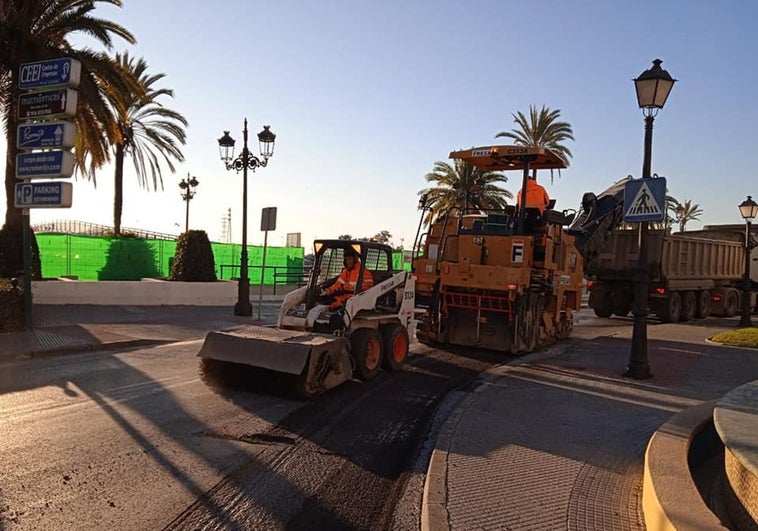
x,y
645,200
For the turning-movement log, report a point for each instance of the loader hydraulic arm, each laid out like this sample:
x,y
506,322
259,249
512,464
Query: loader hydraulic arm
x,y
598,216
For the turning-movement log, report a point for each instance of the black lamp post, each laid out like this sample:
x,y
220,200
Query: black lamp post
x,y
188,187
748,209
653,87
245,161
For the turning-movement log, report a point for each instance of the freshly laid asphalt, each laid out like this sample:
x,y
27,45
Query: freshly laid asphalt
x,y
552,440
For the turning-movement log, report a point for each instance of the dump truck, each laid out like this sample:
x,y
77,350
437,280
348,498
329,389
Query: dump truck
x,y
322,346
692,274
507,280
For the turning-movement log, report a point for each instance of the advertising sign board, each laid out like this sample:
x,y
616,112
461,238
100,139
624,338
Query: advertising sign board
x,y
46,135
44,164
37,105
51,73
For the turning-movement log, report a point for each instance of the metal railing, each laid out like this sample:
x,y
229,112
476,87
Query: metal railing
x,y
93,229
283,275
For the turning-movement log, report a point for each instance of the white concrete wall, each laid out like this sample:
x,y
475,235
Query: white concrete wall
x,y
147,292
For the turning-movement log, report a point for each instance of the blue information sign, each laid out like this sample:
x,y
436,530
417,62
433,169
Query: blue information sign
x,y
645,200
43,195
46,135
65,72
49,164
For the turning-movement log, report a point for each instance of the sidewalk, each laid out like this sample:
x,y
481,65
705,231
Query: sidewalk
x,y
557,440
77,328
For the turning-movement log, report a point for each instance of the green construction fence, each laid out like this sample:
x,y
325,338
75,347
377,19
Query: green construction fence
x,y
106,258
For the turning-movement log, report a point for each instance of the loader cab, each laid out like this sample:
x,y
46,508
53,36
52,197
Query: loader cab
x,y
330,259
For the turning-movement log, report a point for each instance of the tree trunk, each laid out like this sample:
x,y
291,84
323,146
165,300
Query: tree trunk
x,y
118,185
11,233
12,214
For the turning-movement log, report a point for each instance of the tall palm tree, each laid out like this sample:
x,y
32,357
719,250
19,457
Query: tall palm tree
x,y
40,30
542,129
689,212
463,186
148,131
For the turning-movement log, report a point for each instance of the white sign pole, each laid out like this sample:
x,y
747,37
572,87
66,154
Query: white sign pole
x,y
263,273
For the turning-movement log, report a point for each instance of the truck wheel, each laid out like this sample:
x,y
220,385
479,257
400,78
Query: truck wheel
x,y
622,304
603,311
395,341
703,304
672,308
366,349
689,306
731,303
604,307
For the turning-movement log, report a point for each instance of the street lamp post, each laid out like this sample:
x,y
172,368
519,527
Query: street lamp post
x,y
189,192
748,210
653,87
245,161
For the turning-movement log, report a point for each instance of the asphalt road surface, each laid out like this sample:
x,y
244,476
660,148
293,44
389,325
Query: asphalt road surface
x,y
140,440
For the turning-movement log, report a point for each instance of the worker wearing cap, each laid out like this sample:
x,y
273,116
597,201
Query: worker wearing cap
x,y
345,285
536,195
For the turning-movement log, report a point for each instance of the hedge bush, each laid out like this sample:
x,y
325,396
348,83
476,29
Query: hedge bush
x,y
12,254
11,307
193,261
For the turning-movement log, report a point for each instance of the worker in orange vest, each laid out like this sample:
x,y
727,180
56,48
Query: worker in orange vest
x,y
345,285
536,195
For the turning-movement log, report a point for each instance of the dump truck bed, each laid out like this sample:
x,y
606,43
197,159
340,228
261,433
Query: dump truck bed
x,y
671,257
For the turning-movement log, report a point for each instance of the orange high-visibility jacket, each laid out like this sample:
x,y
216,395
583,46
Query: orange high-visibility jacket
x,y
346,283
536,195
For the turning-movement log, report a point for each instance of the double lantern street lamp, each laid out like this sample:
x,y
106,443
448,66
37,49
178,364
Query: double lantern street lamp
x,y
748,210
243,162
653,87
188,188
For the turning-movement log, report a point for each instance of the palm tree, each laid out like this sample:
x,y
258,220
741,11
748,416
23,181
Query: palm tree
x,y
542,129
148,131
687,213
463,186
40,30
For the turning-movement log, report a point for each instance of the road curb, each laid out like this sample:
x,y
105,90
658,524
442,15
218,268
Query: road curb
x,y
84,349
670,498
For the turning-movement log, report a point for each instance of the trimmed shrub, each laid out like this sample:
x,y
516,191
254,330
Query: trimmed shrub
x,y
193,261
12,252
11,307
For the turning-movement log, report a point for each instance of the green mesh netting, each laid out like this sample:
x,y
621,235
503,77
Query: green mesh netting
x,y
104,258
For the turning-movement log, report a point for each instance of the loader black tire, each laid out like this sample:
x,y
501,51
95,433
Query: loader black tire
x,y
366,350
395,342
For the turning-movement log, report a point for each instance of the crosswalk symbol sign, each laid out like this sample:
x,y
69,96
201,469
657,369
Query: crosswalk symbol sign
x,y
645,200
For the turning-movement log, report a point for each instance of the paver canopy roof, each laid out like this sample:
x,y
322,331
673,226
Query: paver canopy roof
x,y
499,158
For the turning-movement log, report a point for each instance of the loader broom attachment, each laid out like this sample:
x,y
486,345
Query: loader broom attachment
x,y
317,361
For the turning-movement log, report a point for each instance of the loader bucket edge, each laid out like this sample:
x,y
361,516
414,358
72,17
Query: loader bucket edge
x,y
269,348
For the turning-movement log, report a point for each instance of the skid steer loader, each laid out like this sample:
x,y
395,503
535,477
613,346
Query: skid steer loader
x,y
323,345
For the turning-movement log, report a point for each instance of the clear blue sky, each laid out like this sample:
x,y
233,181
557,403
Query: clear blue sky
x,y
365,96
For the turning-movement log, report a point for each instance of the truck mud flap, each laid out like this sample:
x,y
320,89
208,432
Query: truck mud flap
x,y
320,361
